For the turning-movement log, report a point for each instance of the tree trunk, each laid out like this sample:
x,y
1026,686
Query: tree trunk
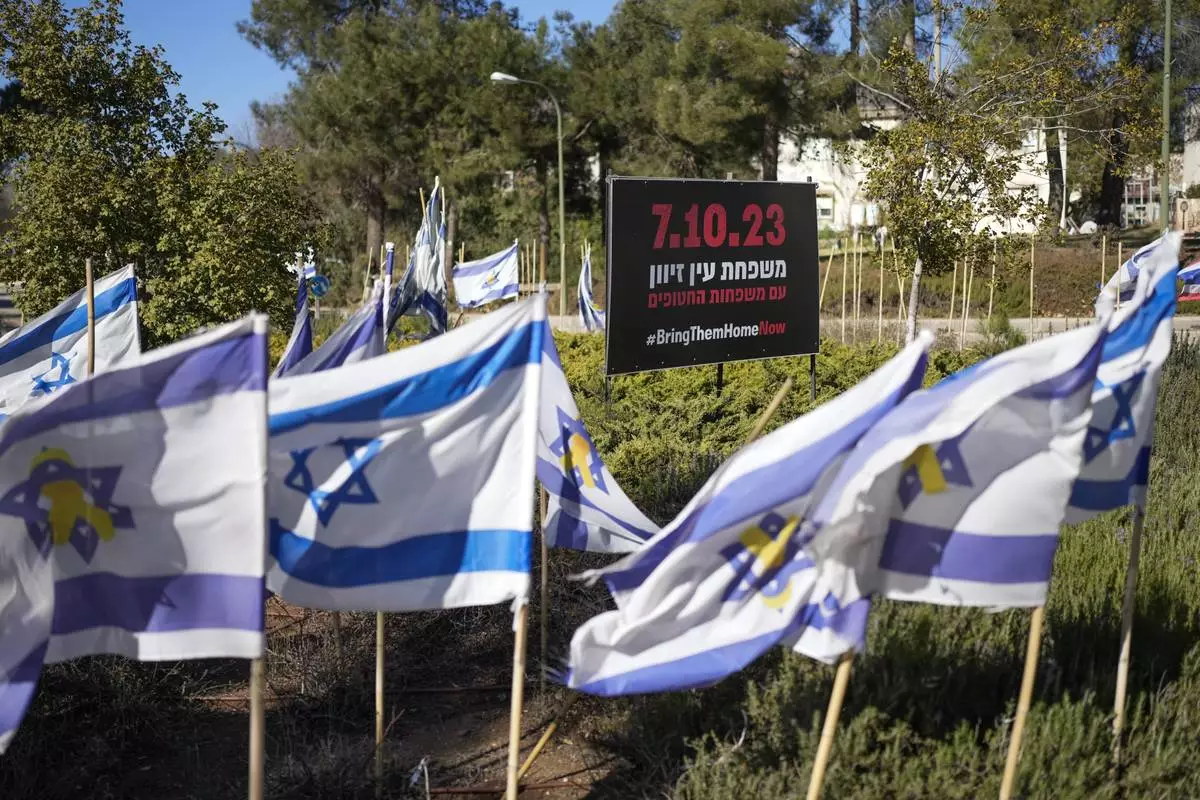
x,y
605,164
1112,182
1056,177
770,147
376,216
855,32
911,332
1066,186
909,15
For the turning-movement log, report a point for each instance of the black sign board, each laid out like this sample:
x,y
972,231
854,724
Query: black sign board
x,y
701,272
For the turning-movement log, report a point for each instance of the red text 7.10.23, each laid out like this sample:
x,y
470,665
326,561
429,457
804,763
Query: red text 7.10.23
x,y
712,229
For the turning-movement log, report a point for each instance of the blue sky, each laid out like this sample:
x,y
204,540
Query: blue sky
x,y
215,63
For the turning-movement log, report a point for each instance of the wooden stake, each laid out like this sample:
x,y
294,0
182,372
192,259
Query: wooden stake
x,y
545,607
969,280
258,738
841,680
1032,247
542,258
1131,574
1120,261
518,692
1103,258
462,252
992,284
953,286
91,315
1023,700
879,336
379,694
545,737
845,265
769,412
825,281
857,282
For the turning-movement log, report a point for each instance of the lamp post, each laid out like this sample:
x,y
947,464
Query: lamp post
x,y
503,77
1165,190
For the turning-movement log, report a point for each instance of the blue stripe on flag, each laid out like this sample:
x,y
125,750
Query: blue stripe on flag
x,y
1091,495
1136,332
703,669
231,365
499,294
158,604
338,356
930,551
16,692
70,322
429,556
426,391
1065,384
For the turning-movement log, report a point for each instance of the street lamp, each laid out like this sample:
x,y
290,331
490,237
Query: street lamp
x,y
504,77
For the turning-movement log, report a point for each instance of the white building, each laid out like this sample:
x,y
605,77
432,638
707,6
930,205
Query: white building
x,y
841,202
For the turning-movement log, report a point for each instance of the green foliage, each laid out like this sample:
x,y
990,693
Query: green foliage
x,y
115,167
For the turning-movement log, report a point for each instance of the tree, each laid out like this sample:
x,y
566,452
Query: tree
x,y
946,171
115,167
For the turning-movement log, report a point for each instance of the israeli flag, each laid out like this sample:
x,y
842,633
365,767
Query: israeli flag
x,y
1190,275
406,483
964,485
1116,450
359,338
477,283
152,525
300,342
50,353
422,289
592,318
586,508
1121,285
741,568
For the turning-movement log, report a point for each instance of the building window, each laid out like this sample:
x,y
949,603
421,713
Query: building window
x,y
824,208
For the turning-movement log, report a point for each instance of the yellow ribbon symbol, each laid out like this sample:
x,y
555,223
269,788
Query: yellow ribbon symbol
x,y
68,503
929,471
769,554
577,455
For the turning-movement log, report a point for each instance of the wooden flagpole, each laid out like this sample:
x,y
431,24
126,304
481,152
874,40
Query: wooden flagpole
x,y
992,283
962,336
379,704
1032,649
879,336
91,315
845,266
1103,258
518,698
825,282
545,607
1120,261
857,281
1032,248
1131,574
257,728
841,679
953,286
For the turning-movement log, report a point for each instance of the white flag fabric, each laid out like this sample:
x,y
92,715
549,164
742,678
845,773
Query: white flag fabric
x,y
406,482
488,279
964,485
1116,450
741,569
592,318
361,337
51,352
586,508
152,522
300,343
1121,285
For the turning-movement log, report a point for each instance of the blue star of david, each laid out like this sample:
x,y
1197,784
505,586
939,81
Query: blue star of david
x,y
1122,425
84,522
573,432
949,462
43,385
354,489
